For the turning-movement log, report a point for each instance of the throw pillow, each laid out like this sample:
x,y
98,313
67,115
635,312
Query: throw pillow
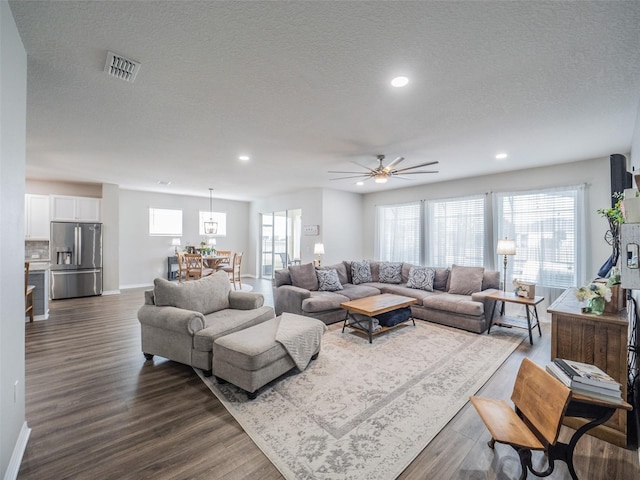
x,y
360,272
206,295
328,281
422,278
390,272
304,276
465,280
341,269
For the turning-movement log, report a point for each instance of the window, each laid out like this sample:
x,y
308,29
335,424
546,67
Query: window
x,y
398,238
165,222
456,232
213,223
545,225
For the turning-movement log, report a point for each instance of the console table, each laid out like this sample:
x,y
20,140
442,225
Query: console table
x,y
600,340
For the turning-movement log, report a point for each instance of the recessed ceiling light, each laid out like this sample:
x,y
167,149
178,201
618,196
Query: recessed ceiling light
x,y
400,81
359,183
244,158
164,182
501,156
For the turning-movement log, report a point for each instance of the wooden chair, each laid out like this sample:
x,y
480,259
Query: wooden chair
x,y
182,267
28,293
194,266
540,405
224,253
233,270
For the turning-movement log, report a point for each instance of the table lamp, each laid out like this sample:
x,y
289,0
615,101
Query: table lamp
x,y
318,249
175,243
212,243
505,247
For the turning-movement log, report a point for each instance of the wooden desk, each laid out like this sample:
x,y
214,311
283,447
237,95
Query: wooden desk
x,y
600,340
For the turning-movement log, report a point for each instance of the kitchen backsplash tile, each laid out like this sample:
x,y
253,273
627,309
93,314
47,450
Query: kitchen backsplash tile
x,y
39,248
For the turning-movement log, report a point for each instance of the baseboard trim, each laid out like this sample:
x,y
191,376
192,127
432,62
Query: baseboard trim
x,y
18,452
138,285
111,292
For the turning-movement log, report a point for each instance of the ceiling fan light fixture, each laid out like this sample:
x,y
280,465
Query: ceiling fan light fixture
x,y
380,178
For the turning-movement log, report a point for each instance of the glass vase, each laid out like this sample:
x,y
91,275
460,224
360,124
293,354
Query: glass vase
x,y
596,305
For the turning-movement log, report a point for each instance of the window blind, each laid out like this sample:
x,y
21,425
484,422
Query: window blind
x,y
398,238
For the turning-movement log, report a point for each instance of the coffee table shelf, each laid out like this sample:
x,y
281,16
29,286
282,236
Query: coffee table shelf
x,y
372,306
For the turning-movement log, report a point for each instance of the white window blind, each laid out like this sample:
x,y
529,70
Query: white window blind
x,y
545,225
398,238
165,222
456,231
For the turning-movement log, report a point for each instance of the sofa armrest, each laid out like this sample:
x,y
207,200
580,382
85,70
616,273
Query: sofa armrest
x,y
245,300
482,297
171,318
149,299
288,298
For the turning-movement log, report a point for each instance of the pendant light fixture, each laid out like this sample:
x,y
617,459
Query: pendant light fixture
x,y
210,227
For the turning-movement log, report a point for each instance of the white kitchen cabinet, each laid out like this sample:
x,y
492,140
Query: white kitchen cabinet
x,y
74,209
36,217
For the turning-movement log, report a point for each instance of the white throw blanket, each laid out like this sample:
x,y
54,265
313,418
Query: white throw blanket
x,y
301,337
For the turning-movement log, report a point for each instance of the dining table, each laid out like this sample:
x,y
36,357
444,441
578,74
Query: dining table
x,y
215,261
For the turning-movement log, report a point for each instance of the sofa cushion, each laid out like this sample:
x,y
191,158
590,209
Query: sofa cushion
x,y
465,280
361,272
341,268
282,277
322,301
224,322
441,279
490,279
328,281
460,304
354,292
304,276
421,278
390,272
206,295
375,271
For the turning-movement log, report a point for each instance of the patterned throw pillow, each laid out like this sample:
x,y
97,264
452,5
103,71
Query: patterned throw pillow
x,y
360,272
390,272
422,278
328,281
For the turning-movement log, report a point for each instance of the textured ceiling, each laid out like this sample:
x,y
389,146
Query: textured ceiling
x,y
303,88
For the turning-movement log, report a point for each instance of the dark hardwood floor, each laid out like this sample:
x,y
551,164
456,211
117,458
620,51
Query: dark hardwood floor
x,y
98,410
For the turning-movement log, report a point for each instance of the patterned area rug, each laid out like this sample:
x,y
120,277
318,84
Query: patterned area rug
x,y
364,411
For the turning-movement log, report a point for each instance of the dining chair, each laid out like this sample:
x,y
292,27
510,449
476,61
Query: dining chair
x,y
195,266
182,267
28,293
233,270
224,263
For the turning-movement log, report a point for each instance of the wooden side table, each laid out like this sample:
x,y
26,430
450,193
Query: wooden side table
x,y
600,340
529,305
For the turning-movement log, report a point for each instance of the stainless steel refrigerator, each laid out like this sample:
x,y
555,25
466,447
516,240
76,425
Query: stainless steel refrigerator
x,y
76,259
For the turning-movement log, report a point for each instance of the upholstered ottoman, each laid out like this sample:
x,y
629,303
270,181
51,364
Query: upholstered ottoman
x,y
253,357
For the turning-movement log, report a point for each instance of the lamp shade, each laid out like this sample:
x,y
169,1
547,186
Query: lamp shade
x,y
175,242
318,249
211,241
506,247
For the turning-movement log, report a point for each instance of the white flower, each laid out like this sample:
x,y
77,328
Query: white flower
x,y
593,290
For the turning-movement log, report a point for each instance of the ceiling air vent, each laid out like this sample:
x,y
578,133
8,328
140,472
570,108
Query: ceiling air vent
x,y
121,67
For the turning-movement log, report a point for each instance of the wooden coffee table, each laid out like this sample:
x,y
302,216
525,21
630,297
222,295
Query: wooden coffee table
x,y
375,305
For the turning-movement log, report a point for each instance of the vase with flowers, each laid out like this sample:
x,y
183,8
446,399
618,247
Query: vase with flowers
x,y
596,295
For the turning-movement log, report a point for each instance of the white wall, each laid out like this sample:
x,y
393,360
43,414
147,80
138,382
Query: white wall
x,y
342,222
110,217
142,257
13,101
594,173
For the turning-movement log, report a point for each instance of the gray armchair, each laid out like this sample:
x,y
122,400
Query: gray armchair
x,y
180,321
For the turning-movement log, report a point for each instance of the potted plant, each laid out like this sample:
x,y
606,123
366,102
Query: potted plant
x,y
615,217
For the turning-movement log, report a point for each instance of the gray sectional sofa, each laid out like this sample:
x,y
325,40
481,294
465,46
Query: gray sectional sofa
x,y
455,296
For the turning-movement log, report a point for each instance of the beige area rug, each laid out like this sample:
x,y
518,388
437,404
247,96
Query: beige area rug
x,y
364,411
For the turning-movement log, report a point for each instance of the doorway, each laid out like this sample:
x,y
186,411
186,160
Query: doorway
x,y
280,245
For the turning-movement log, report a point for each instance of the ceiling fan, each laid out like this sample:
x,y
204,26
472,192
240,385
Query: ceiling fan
x,y
382,173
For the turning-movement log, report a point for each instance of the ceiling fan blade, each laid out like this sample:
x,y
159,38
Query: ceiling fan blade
x,y
392,164
413,173
338,171
362,175
417,166
363,166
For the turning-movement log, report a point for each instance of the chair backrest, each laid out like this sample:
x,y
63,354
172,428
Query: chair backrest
x,y
541,399
284,258
237,261
193,264
224,253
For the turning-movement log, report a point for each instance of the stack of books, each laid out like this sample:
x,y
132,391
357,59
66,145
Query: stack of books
x,y
586,379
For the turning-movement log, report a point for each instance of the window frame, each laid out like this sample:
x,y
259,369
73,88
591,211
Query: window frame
x,y
154,227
